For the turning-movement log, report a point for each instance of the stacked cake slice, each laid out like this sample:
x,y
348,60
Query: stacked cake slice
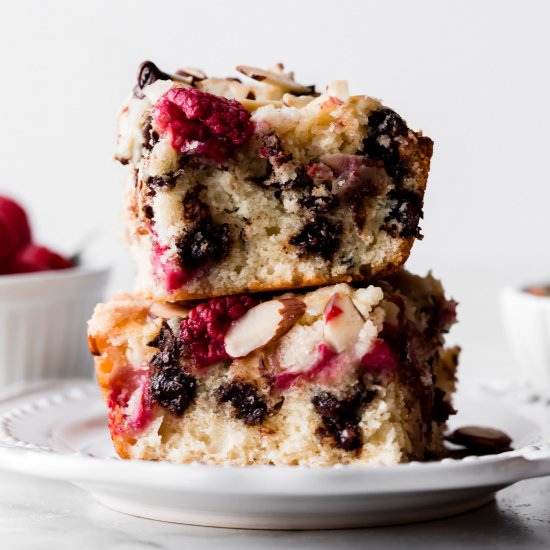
x,y
241,194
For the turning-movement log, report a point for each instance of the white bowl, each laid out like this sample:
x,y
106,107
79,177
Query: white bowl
x,y
43,320
526,319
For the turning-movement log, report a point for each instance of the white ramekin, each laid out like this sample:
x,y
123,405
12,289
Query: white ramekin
x,y
526,321
43,320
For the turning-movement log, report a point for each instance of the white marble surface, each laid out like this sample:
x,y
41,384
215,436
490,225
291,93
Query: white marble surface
x,y
38,514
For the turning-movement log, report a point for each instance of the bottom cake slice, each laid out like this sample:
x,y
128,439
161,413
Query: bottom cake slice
x,y
341,374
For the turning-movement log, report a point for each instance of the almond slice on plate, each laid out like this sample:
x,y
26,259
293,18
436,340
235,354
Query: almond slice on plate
x,y
274,79
343,322
168,311
262,325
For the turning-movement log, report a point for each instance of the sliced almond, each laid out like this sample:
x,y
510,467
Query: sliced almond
x,y
279,68
262,325
155,91
231,89
253,104
168,311
343,322
279,80
338,89
297,101
94,349
190,72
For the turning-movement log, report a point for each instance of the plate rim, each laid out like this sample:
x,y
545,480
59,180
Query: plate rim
x,y
26,457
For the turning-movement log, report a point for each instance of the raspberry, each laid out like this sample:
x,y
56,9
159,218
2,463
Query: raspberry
x,y
15,232
166,270
123,386
37,258
202,332
380,357
202,123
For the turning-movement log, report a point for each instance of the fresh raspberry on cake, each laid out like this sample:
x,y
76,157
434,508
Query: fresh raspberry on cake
x,y
200,123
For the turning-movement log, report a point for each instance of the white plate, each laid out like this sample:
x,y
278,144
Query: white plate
x,y
58,430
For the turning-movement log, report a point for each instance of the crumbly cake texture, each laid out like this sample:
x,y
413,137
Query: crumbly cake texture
x,y
265,185
341,374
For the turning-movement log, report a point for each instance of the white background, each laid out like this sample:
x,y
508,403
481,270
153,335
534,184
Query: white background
x,y
473,75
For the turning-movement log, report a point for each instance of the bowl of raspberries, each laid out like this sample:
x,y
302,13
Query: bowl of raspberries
x,y
45,301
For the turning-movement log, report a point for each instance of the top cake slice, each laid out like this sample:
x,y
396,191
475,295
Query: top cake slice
x,y
265,185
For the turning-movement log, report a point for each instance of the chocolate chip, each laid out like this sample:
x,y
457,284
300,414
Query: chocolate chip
x,y
404,217
148,211
148,73
246,401
170,387
481,439
319,236
205,242
386,123
442,408
173,389
340,417
300,182
169,347
166,180
150,137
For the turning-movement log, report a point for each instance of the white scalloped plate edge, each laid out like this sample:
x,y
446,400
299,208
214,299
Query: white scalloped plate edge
x,y
42,460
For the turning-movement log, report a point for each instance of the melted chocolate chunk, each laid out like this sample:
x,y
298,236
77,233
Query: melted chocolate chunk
x,y
300,182
170,387
168,346
173,389
318,236
387,121
148,73
389,124
340,418
246,401
149,213
205,242
404,217
193,208
150,137
442,408
167,180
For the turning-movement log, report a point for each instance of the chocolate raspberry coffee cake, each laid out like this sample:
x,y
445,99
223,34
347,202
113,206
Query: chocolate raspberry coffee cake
x,y
341,374
259,183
